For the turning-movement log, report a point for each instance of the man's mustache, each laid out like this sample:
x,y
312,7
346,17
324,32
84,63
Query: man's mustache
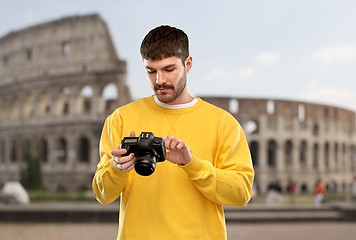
x,y
157,86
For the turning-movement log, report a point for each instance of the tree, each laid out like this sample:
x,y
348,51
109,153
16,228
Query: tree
x,y
31,176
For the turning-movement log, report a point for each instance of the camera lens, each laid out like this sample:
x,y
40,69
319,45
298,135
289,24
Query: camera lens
x,y
145,163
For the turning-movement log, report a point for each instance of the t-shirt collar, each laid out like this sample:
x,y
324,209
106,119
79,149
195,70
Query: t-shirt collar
x,y
176,106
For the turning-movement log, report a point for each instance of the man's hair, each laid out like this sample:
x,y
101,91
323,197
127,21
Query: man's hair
x,y
163,42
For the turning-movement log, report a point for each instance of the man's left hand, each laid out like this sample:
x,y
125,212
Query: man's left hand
x,y
178,151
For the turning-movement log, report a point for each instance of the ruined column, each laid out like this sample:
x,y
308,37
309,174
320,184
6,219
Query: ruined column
x,y
280,160
295,156
73,100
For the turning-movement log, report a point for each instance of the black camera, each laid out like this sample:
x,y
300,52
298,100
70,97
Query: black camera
x,y
148,149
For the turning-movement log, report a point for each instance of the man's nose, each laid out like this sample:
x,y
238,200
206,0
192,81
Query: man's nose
x,y
160,78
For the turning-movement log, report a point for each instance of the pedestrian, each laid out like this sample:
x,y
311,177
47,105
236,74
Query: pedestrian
x,y
319,193
292,190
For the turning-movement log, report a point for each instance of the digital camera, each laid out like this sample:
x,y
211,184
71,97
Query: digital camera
x,y
148,149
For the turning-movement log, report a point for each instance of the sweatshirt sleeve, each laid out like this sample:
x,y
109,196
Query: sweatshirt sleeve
x,y
228,180
108,181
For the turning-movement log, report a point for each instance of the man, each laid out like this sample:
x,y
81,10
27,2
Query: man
x,y
207,165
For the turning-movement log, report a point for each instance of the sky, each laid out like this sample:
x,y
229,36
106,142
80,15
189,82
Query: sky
x,y
300,50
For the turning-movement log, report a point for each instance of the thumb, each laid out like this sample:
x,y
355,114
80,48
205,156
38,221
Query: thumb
x,y
132,134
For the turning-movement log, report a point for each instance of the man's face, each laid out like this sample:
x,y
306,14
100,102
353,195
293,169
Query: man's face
x,y
168,78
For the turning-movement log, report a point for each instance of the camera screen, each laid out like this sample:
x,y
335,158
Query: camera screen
x,y
130,140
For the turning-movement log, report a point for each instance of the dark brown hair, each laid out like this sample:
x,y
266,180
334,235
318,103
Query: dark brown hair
x,y
163,42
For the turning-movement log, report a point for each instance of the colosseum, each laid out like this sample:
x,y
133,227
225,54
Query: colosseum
x,y
53,83
53,102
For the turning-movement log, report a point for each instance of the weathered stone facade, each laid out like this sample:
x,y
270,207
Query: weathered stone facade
x,y
295,140
52,103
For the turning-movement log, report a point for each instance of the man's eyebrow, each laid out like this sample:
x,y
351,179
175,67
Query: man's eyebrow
x,y
165,67
169,66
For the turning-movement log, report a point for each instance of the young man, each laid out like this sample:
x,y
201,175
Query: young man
x,y
207,165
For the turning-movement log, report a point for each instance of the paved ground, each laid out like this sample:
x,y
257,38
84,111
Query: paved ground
x,y
266,231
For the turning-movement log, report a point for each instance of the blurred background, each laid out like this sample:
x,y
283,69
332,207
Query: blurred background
x,y
284,70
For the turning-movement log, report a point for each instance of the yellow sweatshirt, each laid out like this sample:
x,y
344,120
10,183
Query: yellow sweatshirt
x,y
176,202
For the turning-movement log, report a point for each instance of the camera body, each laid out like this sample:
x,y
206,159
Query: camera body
x,y
148,149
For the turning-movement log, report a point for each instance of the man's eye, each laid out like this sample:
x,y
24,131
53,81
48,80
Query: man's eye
x,y
151,71
170,69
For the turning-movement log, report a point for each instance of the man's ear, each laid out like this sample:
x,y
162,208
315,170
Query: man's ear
x,y
188,63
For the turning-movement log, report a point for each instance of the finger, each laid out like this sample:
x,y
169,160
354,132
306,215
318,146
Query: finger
x,y
174,143
121,168
132,134
181,145
128,166
167,141
124,166
117,151
124,159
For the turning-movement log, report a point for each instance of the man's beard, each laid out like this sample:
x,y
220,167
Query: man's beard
x,y
177,90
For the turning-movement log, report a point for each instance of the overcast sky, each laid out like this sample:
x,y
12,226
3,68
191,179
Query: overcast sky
x,y
293,50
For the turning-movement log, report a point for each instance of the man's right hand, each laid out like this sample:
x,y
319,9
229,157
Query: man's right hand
x,y
124,163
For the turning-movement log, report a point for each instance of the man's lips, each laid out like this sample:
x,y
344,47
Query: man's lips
x,y
163,90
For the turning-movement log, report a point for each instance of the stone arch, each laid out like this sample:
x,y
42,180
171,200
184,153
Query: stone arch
x,y
233,106
44,103
271,107
316,156
251,127
254,149
334,186
343,156
65,48
15,108
85,99
62,188
303,154
26,149
28,108
327,155
4,109
304,188
110,95
301,112
43,150
63,101
2,150
83,188
275,185
316,129
61,150
336,155
288,150
272,154
13,151
353,158
84,149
